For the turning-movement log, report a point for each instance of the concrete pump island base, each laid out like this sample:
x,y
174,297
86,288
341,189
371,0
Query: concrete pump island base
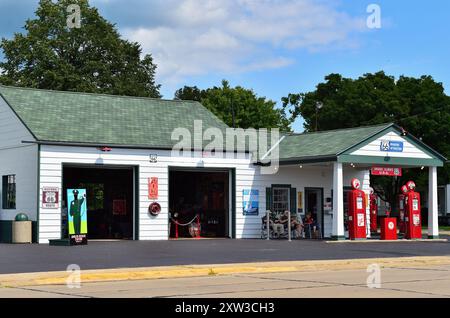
x,y
104,167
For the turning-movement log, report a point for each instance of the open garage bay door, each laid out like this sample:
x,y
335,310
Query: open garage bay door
x,y
204,193
110,199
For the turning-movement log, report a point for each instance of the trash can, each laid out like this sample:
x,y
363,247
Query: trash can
x,y
21,229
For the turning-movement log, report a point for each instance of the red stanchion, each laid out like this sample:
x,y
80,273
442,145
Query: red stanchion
x,y
176,230
198,227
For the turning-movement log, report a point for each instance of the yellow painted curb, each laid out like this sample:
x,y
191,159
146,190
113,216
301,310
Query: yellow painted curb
x,y
87,276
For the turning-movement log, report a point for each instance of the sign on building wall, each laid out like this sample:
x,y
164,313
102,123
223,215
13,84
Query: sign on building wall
x,y
250,202
119,207
153,188
77,215
391,146
300,202
50,198
387,171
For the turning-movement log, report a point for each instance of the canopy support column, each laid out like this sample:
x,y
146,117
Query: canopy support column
x,y
338,202
433,225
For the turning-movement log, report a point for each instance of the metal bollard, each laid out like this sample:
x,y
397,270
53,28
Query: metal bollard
x,y
268,224
289,226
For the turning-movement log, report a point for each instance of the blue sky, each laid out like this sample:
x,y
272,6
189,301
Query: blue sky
x,y
275,47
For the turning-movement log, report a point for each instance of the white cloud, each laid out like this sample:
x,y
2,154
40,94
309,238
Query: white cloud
x,y
214,36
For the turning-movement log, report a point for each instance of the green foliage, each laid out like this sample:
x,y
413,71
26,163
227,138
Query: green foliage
x,y
190,93
419,105
238,107
93,58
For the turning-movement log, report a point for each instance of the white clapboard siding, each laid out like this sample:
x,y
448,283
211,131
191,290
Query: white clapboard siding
x,y
248,176
20,159
150,228
373,148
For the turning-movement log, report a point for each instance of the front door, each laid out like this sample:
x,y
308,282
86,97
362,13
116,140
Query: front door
x,y
314,205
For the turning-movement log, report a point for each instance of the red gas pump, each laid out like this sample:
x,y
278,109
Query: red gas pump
x,y
413,218
373,211
356,212
402,209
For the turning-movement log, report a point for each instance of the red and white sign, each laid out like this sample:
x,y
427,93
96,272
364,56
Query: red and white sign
x,y
153,188
50,198
119,207
386,171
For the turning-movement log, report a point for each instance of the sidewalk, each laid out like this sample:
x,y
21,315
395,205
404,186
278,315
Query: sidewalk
x,y
165,272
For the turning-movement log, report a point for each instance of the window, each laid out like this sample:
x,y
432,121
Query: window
x,y
281,199
9,192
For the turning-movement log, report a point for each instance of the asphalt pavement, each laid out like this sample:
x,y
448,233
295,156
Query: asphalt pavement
x,y
133,254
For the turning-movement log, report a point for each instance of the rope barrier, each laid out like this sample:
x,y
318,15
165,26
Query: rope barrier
x,y
197,217
184,224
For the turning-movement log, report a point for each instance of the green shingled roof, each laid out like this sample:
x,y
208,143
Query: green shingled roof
x,y
70,117
327,143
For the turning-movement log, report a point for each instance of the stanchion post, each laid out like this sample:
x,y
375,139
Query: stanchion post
x,y
268,224
289,226
198,226
176,229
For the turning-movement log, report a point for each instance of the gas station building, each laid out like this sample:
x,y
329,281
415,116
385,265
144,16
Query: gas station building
x,y
120,150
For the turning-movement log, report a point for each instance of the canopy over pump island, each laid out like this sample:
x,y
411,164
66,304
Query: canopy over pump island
x,y
60,151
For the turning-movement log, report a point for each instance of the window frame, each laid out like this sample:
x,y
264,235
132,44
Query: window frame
x,y
9,192
278,187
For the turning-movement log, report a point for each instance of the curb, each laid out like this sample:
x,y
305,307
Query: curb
x,y
126,274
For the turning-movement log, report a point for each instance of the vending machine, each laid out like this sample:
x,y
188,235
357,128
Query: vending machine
x,y
373,211
413,217
356,212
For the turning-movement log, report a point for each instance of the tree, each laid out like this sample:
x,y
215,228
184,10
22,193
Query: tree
x,y
190,93
92,58
419,105
238,107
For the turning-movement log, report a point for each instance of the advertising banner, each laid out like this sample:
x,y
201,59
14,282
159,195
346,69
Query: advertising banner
x,y
77,215
250,202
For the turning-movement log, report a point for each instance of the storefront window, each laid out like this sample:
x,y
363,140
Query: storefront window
x,y
9,192
281,199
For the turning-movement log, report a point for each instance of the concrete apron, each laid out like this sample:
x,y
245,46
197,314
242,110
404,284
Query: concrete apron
x,y
126,274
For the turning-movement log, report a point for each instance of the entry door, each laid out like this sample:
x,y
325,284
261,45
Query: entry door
x,y
314,205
